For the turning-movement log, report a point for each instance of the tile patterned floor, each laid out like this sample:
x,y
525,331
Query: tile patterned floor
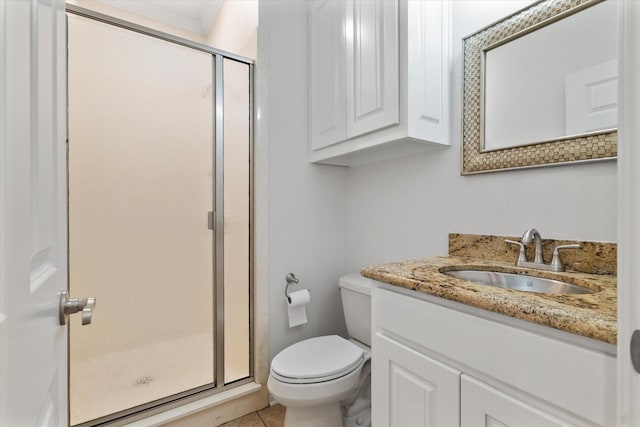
x,y
268,417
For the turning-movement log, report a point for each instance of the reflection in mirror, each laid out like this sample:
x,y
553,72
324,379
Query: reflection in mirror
x,y
559,80
529,75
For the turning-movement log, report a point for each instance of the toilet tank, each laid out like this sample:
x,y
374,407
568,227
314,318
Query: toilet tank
x,y
355,292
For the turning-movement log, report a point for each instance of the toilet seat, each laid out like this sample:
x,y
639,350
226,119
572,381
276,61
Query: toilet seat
x,y
317,360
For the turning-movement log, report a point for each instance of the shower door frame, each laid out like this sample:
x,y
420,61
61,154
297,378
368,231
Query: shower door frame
x,y
216,223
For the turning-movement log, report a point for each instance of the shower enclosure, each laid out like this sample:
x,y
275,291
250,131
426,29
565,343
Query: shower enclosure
x,y
160,146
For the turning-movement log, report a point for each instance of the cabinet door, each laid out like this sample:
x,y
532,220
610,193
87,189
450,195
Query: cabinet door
x,y
411,389
327,74
372,65
428,48
483,406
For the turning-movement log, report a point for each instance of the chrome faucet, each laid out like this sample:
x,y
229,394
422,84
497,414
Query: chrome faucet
x,y
538,261
532,233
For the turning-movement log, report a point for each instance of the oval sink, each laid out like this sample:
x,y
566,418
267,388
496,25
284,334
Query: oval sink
x,y
518,282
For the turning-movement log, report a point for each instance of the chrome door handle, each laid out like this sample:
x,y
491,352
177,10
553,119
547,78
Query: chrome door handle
x,y
635,350
70,306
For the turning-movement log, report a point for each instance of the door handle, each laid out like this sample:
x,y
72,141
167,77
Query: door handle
x,y
635,350
70,306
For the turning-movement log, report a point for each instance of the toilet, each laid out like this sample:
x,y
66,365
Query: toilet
x,y
325,381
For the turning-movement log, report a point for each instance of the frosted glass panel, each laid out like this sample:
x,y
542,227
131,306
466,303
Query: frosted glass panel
x,y
141,184
236,219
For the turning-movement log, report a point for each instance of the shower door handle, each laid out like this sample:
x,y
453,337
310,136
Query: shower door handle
x,y
70,306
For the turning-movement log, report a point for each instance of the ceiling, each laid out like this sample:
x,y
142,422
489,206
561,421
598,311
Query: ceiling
x,y
192,15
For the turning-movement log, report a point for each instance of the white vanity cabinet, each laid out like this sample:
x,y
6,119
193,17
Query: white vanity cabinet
x,y
438,363
379,78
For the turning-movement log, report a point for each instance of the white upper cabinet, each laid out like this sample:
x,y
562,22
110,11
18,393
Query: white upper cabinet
x,y
379,78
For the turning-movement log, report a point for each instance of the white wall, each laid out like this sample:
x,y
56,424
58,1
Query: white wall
x,y
405,208
307,210
235,28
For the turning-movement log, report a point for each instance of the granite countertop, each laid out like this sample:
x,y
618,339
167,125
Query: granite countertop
x,y
590,315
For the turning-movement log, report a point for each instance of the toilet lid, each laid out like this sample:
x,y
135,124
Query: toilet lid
x,y
319,357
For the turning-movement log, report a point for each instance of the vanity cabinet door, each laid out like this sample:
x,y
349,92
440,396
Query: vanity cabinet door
x,y
482,405
412,389
371,65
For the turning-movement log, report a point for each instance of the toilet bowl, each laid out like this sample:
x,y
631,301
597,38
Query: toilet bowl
x,y
316,377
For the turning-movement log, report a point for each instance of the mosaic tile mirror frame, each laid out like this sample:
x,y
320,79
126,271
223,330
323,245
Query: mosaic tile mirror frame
x,y
584,147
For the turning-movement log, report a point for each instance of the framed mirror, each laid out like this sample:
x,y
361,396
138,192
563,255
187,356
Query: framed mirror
x,y
540,88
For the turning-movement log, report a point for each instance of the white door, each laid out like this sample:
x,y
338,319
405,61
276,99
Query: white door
x,y
33,213
628,209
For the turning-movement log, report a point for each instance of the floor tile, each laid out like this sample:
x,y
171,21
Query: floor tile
x,y
273,416
251,420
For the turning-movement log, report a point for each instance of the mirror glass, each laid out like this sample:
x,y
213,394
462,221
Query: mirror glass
x,y
540,88
557,81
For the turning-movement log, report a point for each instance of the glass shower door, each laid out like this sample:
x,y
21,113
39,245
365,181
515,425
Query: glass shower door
x,y
141,180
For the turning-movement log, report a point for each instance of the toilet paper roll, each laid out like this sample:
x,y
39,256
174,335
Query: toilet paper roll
x,y
297,307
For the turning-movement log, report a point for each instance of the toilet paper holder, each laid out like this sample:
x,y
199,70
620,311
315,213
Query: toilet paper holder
x,y
291,280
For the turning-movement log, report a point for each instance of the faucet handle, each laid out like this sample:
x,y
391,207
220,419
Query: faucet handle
x,y
556,263
522,257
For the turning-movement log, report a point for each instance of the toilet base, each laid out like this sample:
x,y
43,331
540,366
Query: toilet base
x,y
362,419
329,415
